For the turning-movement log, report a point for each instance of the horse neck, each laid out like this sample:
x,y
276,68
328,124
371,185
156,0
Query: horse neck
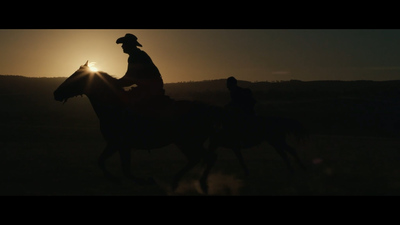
x,y
105,90
106,99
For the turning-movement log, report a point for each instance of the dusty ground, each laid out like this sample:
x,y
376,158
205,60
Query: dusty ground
x,y
62,161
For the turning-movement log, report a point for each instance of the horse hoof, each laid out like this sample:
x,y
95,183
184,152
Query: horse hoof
x,y
151,181
174,186
113,179
145,181
204,187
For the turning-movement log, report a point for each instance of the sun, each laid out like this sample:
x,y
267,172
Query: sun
x,y
92,67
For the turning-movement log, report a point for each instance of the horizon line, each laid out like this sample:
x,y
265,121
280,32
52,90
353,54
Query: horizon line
x,y
216,79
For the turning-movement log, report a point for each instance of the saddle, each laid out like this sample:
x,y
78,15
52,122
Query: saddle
x,y
152,106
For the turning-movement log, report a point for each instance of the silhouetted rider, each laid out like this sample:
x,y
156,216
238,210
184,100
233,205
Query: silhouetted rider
x,y
242,100
141,71
242,111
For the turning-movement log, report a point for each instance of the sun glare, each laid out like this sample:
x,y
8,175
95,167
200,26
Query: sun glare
x,y
92,67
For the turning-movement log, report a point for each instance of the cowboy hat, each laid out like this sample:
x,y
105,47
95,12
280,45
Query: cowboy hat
x,y
129,38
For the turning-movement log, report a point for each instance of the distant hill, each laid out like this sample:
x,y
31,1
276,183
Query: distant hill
x,y
327,107
27,85
21,84
361,87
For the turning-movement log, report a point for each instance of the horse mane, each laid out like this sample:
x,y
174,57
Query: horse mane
x,y
198,107
109,79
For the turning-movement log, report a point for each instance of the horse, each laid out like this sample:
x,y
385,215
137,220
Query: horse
x,y
126,125
242,132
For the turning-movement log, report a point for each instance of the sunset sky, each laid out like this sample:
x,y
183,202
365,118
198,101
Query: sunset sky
x,y
206,54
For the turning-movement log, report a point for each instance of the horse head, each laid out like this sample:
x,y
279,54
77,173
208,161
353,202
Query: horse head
x,y
84,82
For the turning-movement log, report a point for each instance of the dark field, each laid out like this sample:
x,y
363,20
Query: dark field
x,y
47,148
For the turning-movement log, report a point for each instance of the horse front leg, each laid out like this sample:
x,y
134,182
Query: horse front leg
x,y
125,156
109,150
193,157
210,160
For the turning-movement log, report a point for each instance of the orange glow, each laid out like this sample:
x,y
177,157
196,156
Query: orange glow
x,y
92,67
184,55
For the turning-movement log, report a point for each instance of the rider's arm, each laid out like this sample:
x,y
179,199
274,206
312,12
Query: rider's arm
x,y
130,76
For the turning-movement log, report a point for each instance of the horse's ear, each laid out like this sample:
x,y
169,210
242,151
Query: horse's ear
x,y
87,63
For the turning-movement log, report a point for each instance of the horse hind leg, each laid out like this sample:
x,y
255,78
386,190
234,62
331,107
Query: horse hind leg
x,y
280,148
190,164
296,157
239,156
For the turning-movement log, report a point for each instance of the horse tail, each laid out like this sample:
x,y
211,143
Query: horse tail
x,y
297,129
215,114
209,117
290,127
